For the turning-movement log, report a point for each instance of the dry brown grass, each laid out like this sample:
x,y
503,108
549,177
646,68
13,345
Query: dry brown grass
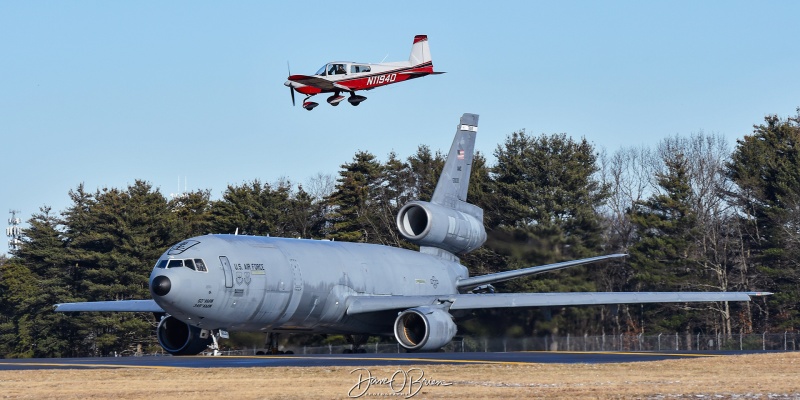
x,y
747,376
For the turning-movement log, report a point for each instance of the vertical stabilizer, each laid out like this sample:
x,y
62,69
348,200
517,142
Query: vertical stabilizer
x,y
420,52
448,225
454,180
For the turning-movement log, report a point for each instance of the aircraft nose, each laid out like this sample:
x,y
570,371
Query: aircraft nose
x,y
161,285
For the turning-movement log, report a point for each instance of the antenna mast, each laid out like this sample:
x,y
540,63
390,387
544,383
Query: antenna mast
x,y
14,232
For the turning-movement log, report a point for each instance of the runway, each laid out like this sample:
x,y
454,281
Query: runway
x,y
349,360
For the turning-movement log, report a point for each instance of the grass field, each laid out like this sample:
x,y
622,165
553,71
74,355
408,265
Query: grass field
x,y
775,375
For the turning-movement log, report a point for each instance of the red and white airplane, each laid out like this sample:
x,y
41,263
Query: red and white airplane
x,y
344,76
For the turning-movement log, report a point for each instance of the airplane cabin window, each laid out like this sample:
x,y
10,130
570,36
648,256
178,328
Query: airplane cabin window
x,y
162,264
201,266
189,264
359,69
175,264
322,70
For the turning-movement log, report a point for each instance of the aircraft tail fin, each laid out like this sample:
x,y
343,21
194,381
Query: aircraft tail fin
x,y
420,52
448,225
454,180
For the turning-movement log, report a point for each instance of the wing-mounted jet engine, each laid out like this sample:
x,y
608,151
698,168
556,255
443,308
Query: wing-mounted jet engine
x,y
179,338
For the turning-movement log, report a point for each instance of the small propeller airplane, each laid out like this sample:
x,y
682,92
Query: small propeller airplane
x,y
339,77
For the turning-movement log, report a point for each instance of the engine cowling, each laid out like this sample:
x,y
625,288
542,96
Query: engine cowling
x,y
424,328
428,224
181,339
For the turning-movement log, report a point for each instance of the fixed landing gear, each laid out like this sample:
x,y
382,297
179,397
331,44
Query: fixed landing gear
x,y
335,99
356,341
355,99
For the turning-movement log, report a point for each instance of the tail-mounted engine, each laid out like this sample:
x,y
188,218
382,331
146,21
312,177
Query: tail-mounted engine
x,y
424,328
181,339
429,224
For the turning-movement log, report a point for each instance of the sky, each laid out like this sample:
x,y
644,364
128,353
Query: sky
x,y
189,95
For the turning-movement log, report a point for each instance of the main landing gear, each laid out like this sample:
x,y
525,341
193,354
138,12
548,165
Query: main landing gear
x,y
356,341
271,345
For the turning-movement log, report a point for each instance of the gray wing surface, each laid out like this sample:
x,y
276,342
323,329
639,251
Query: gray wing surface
x,y
111,306
365,304
469,283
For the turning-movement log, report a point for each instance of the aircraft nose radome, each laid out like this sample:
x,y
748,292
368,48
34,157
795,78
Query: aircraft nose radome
x,y
161,285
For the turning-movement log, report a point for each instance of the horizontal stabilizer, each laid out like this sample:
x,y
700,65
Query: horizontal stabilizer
x,y
111,306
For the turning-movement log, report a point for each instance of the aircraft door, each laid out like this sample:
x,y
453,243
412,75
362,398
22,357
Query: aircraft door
x,y
226,269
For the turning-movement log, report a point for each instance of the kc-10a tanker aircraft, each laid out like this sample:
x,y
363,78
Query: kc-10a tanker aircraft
x,y
205,286
339,77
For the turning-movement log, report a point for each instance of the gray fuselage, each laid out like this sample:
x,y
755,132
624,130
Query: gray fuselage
x,y
255,283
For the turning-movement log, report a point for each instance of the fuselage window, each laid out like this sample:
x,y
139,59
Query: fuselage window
x,y
322,70
359,68
200,265
189,264
175,264
162,264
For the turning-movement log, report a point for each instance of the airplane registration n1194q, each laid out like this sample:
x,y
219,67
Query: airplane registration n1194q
x,y
205,286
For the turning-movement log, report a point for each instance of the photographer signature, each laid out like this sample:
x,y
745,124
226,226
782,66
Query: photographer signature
x,y
401,383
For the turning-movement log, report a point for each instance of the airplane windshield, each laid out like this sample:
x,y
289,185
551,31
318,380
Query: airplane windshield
x,y
321,71
196,264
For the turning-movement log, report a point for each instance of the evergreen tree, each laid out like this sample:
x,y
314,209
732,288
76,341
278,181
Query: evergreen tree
x,y
766,168
114,237
355,202
425,170
666,256
191,213
547,200
254,208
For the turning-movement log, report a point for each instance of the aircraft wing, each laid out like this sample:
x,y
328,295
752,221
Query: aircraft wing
x,y
475,281
315,81
365,304
111,306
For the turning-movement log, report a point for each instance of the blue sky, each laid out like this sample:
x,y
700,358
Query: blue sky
x,y
105,93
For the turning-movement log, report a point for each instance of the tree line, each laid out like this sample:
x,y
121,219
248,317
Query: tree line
x,y
692,214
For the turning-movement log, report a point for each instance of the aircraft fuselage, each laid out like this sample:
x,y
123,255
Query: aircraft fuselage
x,y
255,283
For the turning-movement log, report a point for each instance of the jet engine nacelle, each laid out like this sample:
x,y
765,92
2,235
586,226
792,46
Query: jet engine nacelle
x,y
424,328
428,224
181,339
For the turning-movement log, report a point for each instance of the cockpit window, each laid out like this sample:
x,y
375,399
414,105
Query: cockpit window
x,y
359,68
321,71
196,264
336,69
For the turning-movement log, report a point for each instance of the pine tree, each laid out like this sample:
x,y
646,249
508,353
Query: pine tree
x,y
547,198
667,256
355,202
766,168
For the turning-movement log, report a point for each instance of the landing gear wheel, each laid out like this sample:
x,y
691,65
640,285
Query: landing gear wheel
x,y
355,99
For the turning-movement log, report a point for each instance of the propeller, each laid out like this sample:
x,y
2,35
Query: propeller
x,y
291,88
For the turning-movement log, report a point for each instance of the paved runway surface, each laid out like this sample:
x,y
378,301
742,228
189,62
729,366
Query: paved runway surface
x,y
346,360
